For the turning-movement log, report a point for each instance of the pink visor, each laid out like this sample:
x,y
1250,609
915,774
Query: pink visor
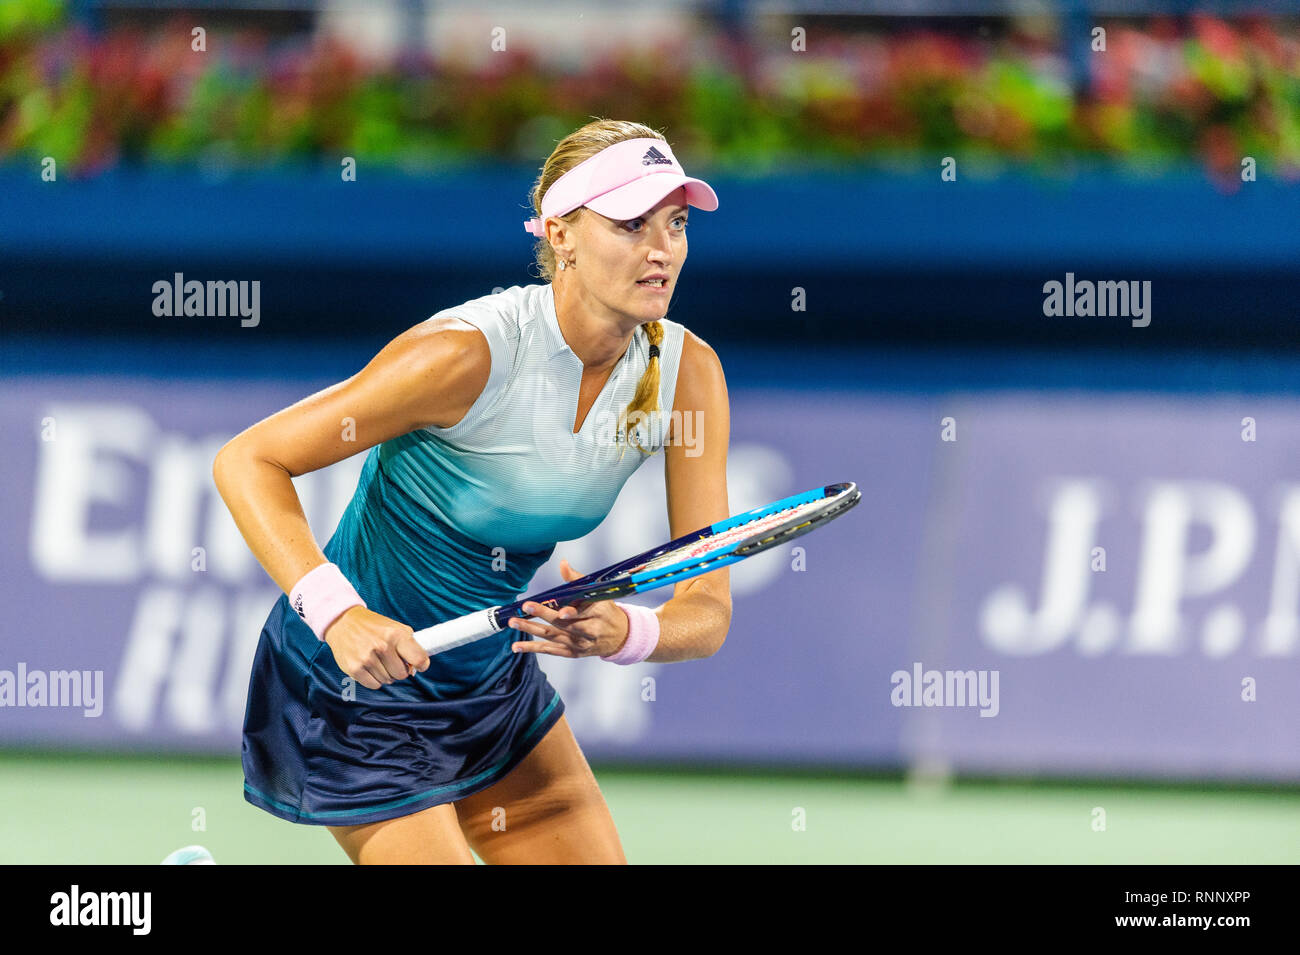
x,y
621,182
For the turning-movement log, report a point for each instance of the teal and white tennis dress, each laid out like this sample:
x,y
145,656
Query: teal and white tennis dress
x,y
446,521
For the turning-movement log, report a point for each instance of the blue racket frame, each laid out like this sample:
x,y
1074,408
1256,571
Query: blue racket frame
x,y
621,583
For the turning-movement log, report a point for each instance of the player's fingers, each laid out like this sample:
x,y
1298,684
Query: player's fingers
x,y
537,626
579,644
560,630
535,629
543,612
538,611
363,677
373,674
413,655
393,663
526,626
548,647
569,572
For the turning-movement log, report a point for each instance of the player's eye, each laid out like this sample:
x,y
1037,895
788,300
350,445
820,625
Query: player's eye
x,y
634,225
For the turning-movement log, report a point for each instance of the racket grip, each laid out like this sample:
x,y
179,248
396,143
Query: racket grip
x,y
456,633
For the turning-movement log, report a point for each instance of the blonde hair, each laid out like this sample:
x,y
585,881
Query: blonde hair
x,y
579,146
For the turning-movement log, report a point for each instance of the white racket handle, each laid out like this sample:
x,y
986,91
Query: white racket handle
x,y
456,633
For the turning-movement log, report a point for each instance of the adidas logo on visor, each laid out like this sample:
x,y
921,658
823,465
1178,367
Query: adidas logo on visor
x,y
654,157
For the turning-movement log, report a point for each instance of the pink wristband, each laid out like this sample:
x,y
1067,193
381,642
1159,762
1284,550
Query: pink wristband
x,y
322,596
642,635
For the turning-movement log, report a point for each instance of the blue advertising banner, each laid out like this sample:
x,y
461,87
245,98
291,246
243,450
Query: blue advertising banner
x,y
1130,566
1033,583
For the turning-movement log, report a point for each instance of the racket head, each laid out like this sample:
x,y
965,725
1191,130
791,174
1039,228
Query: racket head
x,y
772,525
656,567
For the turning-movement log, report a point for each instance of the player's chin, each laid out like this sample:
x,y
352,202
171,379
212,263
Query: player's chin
x,y
649,309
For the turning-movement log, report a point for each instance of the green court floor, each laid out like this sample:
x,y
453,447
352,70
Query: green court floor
x,y
90,809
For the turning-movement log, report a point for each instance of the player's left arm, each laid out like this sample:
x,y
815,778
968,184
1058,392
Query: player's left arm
x,y
694,622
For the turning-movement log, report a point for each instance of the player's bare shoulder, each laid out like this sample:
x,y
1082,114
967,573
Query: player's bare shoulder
x,y
701,416
440,366
700,379
443,332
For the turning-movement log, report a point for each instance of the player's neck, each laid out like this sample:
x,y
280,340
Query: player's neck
x,y
597,335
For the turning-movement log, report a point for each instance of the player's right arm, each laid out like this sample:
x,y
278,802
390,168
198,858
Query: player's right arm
x,y
429,375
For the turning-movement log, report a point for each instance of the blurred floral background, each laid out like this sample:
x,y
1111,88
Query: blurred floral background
x,y
1165,91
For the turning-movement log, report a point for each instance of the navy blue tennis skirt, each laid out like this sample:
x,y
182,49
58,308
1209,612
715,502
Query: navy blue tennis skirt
x,y
323,750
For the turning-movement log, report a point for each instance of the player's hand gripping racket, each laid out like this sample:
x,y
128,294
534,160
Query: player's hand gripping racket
x,y
688,556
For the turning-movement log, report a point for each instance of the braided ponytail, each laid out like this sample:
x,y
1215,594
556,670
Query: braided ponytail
x,y
645,403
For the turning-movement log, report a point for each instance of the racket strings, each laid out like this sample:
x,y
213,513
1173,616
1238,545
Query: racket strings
x,y
721,541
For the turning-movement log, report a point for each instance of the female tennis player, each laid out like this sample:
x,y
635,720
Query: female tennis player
x,y
496,429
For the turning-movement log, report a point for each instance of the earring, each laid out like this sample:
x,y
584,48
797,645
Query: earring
x,y
562,264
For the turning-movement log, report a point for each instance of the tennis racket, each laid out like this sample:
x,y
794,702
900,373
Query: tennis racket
x,y
688,556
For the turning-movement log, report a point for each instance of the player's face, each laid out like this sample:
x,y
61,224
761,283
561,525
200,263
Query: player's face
x,y
616,258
